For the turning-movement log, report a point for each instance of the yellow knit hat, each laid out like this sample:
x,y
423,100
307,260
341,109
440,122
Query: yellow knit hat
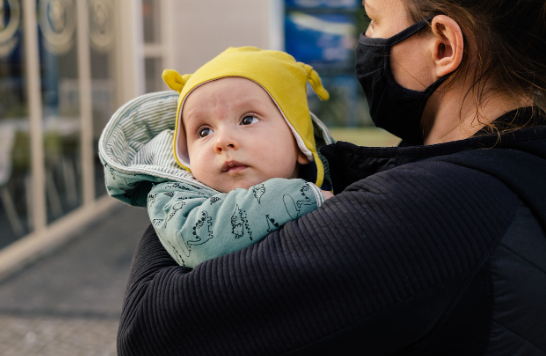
x,y
284,79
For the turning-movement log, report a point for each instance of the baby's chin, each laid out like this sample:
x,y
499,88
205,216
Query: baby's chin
x,y
238,185
226,187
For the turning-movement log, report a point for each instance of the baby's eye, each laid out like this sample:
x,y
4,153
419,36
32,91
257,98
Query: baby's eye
x,y
204,132
247,120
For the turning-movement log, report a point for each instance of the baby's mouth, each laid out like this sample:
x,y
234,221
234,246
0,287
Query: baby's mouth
x,y
233,166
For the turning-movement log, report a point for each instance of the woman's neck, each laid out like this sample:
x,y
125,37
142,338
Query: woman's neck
x,y
451,115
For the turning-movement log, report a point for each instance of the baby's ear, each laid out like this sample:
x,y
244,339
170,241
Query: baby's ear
x,y
314,79
302,158
174,80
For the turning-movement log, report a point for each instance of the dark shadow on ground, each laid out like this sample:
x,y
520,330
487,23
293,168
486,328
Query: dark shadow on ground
x,y
84,278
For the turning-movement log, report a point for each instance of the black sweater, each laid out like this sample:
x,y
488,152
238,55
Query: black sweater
x,y
434,250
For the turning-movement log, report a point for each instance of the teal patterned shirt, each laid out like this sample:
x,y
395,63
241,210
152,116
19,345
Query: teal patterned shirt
x,y
195,225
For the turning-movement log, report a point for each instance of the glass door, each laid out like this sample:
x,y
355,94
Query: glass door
x,y
15,166
102,36
152,12
61,120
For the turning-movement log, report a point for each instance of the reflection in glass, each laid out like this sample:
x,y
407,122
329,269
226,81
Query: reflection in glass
x,y
61,106
101,32
150,19
153,67
15,198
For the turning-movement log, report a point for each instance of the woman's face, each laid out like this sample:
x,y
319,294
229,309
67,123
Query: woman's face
x,y
388,17
411,64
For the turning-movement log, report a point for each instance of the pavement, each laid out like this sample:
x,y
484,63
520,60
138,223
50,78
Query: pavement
x,y
69,301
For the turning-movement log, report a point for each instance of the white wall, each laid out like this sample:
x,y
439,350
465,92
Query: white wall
x,y
204,28
129,64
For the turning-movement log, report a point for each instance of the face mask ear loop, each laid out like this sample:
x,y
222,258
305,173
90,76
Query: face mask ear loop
x,y
174,80
314,79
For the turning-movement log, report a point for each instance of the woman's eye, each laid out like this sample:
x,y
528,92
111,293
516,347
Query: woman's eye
x,y
247,120
204,132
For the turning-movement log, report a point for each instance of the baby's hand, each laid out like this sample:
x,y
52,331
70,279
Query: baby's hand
x,y
327,194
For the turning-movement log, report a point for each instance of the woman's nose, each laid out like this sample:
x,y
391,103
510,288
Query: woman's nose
x,y
225,141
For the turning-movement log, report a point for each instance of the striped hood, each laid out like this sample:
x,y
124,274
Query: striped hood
x,y
135,148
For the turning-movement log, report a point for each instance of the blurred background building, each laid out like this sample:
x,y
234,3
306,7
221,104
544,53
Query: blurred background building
x,y
66,65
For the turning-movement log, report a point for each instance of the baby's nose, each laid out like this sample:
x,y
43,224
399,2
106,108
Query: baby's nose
x,y
225,142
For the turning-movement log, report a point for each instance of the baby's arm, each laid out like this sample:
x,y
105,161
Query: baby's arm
x,y
195,227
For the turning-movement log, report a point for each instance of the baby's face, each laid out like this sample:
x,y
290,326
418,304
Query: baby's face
x,y
237,137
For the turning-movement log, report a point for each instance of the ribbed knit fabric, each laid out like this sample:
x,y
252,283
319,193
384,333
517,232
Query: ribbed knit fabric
x,y
392,239
393,263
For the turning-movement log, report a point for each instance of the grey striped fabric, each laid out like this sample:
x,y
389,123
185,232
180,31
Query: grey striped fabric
x,y
138,139
136,147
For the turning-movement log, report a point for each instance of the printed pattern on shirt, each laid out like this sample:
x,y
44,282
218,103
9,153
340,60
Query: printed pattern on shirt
x,y
239,224
258,192
294,207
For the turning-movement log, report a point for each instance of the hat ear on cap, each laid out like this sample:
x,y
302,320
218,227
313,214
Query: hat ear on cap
x,y
314,79
174,80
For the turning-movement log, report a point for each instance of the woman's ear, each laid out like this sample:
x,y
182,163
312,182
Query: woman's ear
x,y
448,46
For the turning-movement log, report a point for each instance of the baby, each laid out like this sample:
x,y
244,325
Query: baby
x,y
243,128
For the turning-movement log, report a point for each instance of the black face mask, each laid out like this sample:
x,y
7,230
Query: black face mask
x,y
392,107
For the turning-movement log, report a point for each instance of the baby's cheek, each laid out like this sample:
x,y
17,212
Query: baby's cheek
x,y
286,169
200,173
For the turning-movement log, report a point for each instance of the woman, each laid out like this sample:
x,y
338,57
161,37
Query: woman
x,y
434,249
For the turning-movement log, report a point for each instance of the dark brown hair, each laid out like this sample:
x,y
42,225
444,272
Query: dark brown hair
x,y
506,39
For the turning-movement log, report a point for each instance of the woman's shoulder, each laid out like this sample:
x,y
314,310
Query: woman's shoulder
x,y
428,197
432,179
